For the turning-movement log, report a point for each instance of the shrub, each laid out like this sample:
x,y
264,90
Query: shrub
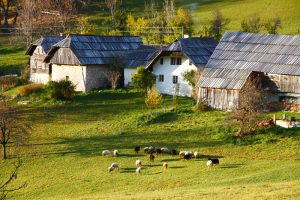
x,y
201,105
143,79
62,90
7,83
30,89
153,98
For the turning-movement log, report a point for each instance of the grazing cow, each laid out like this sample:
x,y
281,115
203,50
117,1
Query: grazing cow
x,y
174,152
209,164
105,153
137,149
138,171
146,149
158,151
138,163
165,165
187,157
214,160
151,157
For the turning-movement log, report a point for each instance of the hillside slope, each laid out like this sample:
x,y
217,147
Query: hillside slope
x,y
234,10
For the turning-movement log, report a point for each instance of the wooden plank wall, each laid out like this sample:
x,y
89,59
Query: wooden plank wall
x,y
286,83
220,98
64,56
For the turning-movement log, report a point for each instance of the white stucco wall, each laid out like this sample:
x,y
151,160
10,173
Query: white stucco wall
x,y
39,78
127,76
168,70
76,74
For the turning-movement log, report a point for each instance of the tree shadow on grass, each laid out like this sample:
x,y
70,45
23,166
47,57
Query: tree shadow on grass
x,y
127,170
170,160
93,145
229,166
178,167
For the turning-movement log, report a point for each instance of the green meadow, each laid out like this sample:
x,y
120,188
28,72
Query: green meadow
x,y
63,157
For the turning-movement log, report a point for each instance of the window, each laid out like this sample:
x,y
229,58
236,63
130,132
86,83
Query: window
x,y
190,62
173,61
178,61
67,78
175,79
161,61
161,78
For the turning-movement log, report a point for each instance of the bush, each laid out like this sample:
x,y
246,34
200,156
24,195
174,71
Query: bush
x,y
7,83
30,89
201,106
62,90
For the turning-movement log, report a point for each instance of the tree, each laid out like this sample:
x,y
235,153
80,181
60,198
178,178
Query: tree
x,y
12,127
4,185
114,72
153,98
113,7
273,25
143,79
251,103
192,77
217,25
251,25
82,23
27,15
169,10
5,6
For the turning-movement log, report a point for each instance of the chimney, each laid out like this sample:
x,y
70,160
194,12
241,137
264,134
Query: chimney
x,y
61,34
186,36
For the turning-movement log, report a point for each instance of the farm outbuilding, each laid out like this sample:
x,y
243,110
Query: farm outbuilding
x,y
241,56
185,54
39,70
85,59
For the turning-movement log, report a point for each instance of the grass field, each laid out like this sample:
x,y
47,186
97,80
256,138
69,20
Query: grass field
x,y
63,161
234,10
12,58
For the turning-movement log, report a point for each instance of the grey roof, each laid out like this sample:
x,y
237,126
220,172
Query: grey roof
x,y
223,78
142,56
278,54
97,50
198,50
46,42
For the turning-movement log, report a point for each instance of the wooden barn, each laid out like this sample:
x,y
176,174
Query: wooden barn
x,y
84,59
241,56
39,70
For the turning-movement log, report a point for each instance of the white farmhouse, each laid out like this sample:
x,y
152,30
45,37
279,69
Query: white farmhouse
x,y
39,70
173,61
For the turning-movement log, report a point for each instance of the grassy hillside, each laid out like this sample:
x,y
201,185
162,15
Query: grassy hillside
x,y
11,59
63,158
234,10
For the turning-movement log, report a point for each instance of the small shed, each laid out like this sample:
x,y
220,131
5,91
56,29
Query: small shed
x,y
84,59
39,70
239,56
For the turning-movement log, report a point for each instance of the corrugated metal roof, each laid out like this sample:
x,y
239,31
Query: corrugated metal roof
x,y
46,42
97,50
198,50
279,54
223,78
142,55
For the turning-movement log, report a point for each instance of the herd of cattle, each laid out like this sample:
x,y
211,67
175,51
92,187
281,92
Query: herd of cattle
x,y
153,153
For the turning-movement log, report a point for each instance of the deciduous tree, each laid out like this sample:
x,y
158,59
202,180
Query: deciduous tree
x,y
12,127
252,24
143,79
114,74
217,25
